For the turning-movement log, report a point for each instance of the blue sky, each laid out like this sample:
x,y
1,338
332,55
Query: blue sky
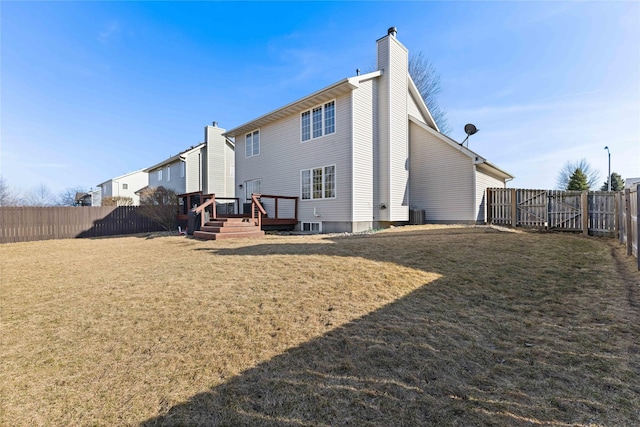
x,y
94,90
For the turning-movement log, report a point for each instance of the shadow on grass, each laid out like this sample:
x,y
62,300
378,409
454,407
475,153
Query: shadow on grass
x,y
468,349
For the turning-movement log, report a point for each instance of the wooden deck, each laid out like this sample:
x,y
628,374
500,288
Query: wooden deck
x,y
267,212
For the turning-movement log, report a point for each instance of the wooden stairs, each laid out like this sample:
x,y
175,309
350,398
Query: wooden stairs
x,y
229,228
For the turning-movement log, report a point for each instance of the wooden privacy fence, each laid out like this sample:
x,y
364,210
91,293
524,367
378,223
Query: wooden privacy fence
x,y
629,230
24,224
600,213
593,212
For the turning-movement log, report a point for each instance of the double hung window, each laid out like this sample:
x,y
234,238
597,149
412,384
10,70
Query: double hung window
x,y
318,121
318,183
252,144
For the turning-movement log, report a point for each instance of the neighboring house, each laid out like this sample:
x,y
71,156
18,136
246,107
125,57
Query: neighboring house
x,y
96,196
124,186
631,182
207,167
361,153
83,199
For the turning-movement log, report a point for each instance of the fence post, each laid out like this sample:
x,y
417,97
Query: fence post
x,y
616,217
637,225
487,206
584,201
627,209
514,208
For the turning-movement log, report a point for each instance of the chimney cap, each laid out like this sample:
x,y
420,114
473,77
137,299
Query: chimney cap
x,y
215,124
392,31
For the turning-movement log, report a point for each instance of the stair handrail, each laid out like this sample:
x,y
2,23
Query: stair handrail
x,y
255,202
200,209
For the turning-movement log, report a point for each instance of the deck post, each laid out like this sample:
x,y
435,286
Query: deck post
x,y
276,207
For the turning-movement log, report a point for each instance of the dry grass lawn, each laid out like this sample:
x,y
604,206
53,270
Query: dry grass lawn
x,y
413,326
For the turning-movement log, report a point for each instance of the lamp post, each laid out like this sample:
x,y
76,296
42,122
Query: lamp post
x,y
609,176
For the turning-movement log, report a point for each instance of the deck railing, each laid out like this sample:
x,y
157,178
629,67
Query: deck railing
x,y
257,209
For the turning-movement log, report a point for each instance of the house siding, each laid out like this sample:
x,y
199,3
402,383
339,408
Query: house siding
x,y
176,183
393,141
193,172
412,108
114,187
484,181
364,125
283,155
441,180
219,158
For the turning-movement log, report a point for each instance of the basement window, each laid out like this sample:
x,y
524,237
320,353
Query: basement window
x,y
313,227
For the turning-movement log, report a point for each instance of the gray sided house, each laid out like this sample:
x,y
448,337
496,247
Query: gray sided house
x,y
207,167
361,153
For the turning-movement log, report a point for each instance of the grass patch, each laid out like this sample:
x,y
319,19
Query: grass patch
x,y
411,326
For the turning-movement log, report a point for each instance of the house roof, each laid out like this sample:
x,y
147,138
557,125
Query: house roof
x,y
123,176
180,156
309,101
478,160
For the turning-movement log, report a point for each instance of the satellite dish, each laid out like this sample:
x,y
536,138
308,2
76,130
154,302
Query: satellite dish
x,y
469,129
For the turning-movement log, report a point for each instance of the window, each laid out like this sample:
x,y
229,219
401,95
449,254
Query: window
x,y
125,186
306,126
311,226
318,183
182,169
318,121
253,186
329,117
159,174
252,144
168,173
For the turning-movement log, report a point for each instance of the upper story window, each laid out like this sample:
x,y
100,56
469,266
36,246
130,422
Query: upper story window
x,y
159,174
318,183
252,144
168,173
181,169
125,186
318,121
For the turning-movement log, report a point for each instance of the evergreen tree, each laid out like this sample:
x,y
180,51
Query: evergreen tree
x,y
578,181
593,176
617,183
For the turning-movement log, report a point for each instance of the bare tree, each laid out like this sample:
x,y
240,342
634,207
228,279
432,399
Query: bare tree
x,y
161,205
7,197
68,197
427,80
570,168
40,196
